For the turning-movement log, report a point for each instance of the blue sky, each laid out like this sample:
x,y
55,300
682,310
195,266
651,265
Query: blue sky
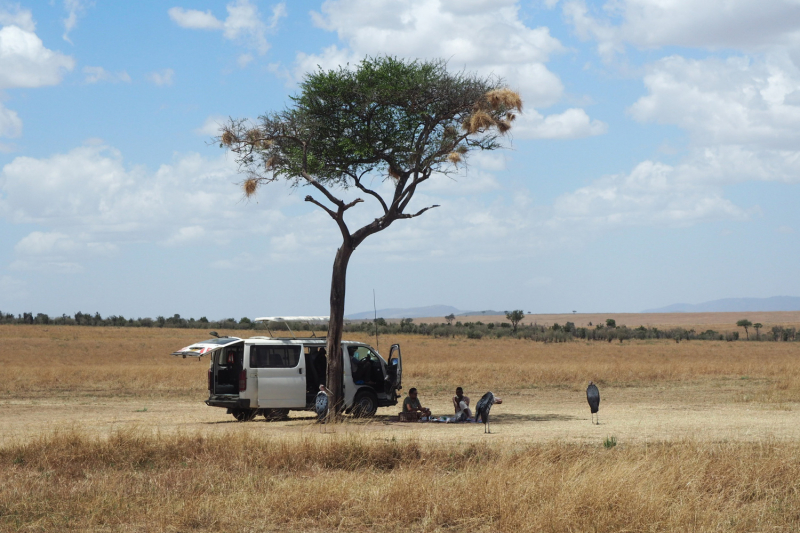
x,y
657,160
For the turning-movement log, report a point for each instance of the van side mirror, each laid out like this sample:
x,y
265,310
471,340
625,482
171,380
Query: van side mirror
x,y
214,334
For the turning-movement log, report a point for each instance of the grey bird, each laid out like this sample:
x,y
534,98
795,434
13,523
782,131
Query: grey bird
x,y
484,406
321,403
593,397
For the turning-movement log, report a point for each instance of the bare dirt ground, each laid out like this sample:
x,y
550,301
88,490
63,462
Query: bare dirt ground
x,y
710,411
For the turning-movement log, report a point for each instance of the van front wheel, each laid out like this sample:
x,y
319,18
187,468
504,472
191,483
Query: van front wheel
x,y
365,404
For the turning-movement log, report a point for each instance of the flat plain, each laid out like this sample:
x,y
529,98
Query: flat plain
x,y
96,420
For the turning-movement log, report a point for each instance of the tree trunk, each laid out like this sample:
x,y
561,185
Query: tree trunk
x,y
335,325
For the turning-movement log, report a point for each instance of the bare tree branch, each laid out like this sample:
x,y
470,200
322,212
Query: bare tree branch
x,y
311,199
358,183
351,204
418,213
310,179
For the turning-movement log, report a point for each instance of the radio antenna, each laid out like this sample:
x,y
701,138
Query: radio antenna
x,y
375,308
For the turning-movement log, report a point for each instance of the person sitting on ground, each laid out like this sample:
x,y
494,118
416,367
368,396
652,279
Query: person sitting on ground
x,y
411,404
461,404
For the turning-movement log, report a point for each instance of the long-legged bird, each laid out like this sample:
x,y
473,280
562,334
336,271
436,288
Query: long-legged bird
x,y
321,403
593,397
484,406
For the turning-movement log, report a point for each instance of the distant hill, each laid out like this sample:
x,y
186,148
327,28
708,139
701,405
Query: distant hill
x,y
775,303
412,312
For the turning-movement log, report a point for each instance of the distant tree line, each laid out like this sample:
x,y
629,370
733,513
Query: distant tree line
x,y
608,332
559,333
88,319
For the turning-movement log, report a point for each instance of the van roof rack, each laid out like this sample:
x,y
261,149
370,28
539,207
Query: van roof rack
x,y
286,319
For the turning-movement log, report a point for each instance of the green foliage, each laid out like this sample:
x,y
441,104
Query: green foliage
x,y
611,323
386,116
450,318
515,317
744,323
609,442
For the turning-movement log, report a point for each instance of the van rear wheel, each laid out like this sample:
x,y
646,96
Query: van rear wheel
x,y
276,414
365,404
243,415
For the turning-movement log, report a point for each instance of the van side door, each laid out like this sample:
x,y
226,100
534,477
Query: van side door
x,y
280,372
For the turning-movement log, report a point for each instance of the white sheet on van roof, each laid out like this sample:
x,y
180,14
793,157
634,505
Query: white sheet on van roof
x,y
292,319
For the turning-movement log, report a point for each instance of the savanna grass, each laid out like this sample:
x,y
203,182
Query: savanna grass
x,y
242,482
127,362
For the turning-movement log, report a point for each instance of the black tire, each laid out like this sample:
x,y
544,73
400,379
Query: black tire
x,y
365,404
275,414
243,415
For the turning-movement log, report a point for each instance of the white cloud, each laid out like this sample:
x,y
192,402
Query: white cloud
x,y
22,18
40,243
89,203
194,19
56,252
739,112
10,123
483,35
714,24
573,123
733,101
243,23
25,62
92,203
161,77
652,194
74,8
96,74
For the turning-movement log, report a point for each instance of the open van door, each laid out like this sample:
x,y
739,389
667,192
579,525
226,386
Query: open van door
x,y
199,349
396,366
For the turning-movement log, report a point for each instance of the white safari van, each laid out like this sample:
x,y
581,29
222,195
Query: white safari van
x,y
273,375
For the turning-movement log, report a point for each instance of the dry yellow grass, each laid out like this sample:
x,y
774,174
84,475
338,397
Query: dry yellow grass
x,y
244,483
544,470
135,362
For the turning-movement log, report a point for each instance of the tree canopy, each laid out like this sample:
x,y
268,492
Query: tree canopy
x,y
515,317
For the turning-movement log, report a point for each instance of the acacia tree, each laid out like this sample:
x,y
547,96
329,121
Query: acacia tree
x,y
744,323
386,120
515,317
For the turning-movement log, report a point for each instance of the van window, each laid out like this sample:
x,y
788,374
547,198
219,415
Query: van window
x,y
274,356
